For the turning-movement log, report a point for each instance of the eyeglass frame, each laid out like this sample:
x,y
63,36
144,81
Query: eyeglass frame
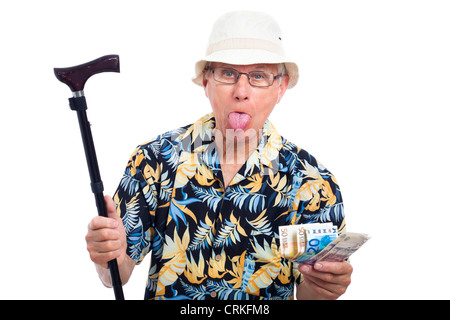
x,y
247,74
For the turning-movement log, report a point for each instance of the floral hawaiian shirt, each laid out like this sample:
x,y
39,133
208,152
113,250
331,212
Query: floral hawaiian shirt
x,y
207,242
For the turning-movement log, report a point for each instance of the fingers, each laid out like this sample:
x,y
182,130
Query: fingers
x,y
334,267
103,233
329,272
328,279
106,236
113,220
334,272
111,209
102,222
104,245
102,258
324,290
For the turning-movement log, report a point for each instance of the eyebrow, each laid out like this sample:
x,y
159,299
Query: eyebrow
x,y
261,66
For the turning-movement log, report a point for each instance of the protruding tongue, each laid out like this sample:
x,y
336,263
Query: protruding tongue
x,y
238,120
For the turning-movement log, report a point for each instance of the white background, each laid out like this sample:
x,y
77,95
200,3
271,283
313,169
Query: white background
x,y
371,104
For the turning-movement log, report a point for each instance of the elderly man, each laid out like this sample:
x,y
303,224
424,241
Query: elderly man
x,y
206,200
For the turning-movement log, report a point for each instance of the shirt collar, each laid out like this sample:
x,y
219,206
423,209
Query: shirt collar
x,y
199,139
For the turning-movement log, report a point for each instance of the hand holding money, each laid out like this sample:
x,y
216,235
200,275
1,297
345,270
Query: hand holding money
x,y
309,243
324,280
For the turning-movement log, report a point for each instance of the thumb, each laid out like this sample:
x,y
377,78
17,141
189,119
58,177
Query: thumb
x,y
111,209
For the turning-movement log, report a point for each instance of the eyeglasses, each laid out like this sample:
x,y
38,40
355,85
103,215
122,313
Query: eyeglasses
x,y
255,78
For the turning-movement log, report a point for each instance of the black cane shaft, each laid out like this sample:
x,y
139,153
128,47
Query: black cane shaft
x,y
115,279
89,149
101,204
76,77
97,189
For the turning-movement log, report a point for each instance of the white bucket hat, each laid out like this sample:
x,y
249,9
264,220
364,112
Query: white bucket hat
x,y
244,38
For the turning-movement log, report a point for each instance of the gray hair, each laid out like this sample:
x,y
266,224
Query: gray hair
x,y
281,69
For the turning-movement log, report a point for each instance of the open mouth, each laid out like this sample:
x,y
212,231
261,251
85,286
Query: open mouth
x,y
238,120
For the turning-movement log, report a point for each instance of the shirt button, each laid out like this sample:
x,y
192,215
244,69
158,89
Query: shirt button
x,y
218,257
213,294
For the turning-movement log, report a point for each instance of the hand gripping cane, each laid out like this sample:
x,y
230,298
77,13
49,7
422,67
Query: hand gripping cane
x,y
75,78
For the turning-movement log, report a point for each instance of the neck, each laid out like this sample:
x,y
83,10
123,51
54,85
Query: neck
x,y
234,151
235,148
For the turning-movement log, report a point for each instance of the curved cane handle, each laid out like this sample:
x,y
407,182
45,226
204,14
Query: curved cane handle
x,y
76,77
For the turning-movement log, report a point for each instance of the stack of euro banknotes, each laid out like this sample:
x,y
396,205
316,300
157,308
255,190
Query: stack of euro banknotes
x,y
309,243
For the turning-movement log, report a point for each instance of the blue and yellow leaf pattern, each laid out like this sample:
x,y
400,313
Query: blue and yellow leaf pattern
x,y
206,242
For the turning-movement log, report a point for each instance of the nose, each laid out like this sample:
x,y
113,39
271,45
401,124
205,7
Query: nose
x,y
242,89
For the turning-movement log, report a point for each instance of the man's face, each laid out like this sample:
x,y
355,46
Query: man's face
x,y
241,106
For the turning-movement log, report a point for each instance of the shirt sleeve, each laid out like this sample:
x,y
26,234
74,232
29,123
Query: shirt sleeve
x,y
136,201
320,196
320,200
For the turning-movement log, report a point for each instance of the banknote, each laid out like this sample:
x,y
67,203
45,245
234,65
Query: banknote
x,y
317,236
338,250
309,239
289,244
309,243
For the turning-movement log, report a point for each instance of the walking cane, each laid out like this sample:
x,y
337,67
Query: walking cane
x,y
76,77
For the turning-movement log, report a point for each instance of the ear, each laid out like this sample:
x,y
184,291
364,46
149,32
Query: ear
x,y
283,87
